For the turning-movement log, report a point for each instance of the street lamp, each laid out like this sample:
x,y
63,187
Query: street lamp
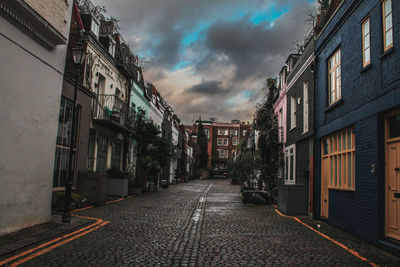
x,y
79,55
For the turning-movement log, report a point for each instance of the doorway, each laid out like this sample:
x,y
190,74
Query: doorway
x,y
392,173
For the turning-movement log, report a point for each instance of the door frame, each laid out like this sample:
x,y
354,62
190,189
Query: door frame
x,y
387,142
324,189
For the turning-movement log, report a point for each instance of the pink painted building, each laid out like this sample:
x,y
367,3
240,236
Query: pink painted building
x,y
280,107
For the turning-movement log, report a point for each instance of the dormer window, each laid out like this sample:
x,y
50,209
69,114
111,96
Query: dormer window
x,y
95,27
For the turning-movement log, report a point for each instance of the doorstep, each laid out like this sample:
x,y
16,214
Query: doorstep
x,y
27,237
391,246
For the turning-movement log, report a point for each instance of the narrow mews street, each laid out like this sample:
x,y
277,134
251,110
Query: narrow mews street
x,y
204,223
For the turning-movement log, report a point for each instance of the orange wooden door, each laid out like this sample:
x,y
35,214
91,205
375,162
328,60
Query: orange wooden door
x,y
324,187
393,190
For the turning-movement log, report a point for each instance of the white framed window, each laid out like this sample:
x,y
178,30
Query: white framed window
x,y
387,24
226,132
207,133
235,132
223,153
244,132
290,164
335,82
292,112
220,132
95,27
366,42
222,141
235,141
305,107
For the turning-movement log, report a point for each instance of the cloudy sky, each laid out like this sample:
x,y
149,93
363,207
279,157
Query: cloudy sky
x,y
211,57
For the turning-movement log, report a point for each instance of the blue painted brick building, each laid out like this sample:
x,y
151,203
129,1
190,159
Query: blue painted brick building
x,y
357,119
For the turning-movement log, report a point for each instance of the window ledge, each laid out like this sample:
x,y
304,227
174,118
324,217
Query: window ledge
x,y
389,51
291,129
366,68
334,105
342,189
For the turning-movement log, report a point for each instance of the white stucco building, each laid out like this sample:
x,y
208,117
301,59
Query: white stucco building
x,y
33,38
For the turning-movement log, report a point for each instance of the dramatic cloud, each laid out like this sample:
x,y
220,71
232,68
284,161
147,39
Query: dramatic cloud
x,y
208,57
208,88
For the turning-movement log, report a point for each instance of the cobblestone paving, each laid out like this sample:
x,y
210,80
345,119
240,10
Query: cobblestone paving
x,y
201,223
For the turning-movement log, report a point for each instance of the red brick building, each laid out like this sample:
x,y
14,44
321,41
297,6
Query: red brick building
x,y
223,139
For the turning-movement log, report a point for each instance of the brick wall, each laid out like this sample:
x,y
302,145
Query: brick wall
x,y
54,11
366,95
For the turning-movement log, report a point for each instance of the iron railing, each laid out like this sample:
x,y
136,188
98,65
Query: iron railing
x,y
111,107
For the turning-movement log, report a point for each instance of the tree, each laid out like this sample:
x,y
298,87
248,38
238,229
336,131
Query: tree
x,y
202,146
153,150
270,159
244,170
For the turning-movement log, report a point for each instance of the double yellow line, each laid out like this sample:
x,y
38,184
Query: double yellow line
x,y
59,241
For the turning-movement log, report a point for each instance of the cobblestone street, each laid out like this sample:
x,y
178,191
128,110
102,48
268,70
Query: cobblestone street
x,y
203,223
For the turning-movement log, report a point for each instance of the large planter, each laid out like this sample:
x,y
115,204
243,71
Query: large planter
x,y
293,199
94,186
117,187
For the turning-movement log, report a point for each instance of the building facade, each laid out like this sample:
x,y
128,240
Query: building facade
x,y
33,38
222,141
226,139
108,71
298,152
357,120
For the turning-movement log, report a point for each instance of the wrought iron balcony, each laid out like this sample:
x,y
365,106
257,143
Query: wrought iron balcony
x,y
112,112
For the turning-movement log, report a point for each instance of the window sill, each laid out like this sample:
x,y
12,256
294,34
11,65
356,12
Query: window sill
x,y
366,68
342,189
387,52
291,129
334,105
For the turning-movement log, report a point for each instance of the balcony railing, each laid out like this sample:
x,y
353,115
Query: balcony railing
x,y
112,108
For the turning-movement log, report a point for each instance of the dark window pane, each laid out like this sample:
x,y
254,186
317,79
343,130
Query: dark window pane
x,y
325,146
60,122
56,167
76,127
291,167
394,126
67,123
64,167
115,154
102,147
91,151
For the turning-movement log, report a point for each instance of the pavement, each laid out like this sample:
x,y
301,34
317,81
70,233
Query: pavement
x,y
200,223
31,236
